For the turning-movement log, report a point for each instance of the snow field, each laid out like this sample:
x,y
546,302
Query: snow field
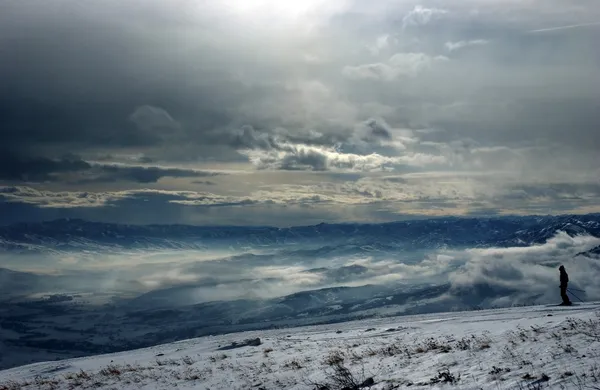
x,y
528,347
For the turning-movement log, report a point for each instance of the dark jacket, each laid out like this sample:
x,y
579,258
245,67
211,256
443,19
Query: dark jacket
x,y
564,278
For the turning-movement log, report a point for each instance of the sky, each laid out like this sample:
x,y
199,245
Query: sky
x,y
263,112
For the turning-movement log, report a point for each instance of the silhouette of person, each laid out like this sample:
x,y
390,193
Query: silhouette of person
x,y
564,281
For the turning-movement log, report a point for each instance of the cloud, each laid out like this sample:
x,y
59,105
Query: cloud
x,y
301,157
420,16
480,276
453,46
22,168
140,174
530,272
74,169
486,276
334,195
342,274
381,44
248,138
52,199
204,182
159,198
378,129
371,145
369,132
153,119
162,93
549,29
399,65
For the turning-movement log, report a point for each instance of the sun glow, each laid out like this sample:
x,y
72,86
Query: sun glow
x,y
286,9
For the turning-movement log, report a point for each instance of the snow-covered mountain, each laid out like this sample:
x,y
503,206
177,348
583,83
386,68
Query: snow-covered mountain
x,y
75,235
517,348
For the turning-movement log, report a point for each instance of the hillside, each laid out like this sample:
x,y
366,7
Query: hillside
x,y
534,347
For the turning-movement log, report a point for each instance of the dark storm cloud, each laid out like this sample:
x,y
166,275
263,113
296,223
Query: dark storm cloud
x,y
371,131
22,168
391,86
248,138
86,75
77,75
112,173
305,158
73,169
379,129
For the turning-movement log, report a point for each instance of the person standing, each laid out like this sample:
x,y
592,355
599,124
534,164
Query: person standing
x,y
564,282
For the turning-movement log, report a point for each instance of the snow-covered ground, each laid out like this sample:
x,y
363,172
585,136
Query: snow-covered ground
x,y
527,347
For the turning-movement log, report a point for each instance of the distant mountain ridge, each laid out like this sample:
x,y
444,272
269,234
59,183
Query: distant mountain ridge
x,y
73,234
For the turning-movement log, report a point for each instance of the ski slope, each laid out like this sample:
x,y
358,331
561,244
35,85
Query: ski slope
x,y
521,347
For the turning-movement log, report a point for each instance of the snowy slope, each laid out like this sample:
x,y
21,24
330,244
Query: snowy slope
x,y
533,347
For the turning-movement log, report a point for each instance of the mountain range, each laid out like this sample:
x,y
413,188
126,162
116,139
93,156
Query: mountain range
x,y
46,316
75,234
